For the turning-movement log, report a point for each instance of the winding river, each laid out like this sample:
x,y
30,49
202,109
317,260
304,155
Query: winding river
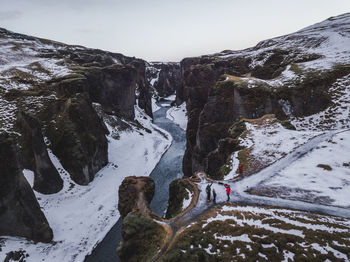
x,y
168,169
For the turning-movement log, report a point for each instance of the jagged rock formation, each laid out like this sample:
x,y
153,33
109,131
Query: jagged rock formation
x,y
142,236
57,84
135,194
178,191
289,76
166,79
46,178
47,91
20,213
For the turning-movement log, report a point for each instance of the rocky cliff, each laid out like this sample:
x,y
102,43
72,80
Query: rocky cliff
x,y
289,76
142,236
166,79
47,95
20,213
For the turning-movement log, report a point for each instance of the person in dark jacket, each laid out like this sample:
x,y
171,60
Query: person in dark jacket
x,y
228,191
214,196
208,189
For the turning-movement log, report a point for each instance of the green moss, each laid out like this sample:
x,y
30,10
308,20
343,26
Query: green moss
x,y
142,238
237,129
177,194
287,124
296,69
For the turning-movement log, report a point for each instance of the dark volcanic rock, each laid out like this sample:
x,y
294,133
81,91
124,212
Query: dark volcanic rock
x,y
168,81
217,93
142,238
35,156
20,213
135,194
78,138
177,194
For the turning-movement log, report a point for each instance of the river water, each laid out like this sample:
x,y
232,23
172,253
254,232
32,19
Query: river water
x,y
168,169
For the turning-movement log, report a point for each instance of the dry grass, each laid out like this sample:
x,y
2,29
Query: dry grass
x,y
262,234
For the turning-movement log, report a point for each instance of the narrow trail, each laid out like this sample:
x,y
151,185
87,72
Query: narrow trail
x,y
240,196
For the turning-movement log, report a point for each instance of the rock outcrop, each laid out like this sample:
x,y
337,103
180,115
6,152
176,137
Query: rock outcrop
x,y
166,79
135,194
178,191
279,76
20,213
48,95
142,236
35,156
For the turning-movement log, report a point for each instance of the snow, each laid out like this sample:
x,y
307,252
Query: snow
x,y
178,115
210,246
187,202
288,255
8,111
22,57
304,174
29,175
80,216
329,39
155,107
170,98
336,116
270,141
234,166
243,238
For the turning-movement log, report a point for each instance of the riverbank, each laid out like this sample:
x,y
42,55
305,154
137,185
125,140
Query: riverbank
x,y
81,216
168,169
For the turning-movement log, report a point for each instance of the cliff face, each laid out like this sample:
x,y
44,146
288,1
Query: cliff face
x,y
279,76
20,213
47,91
166,79
142,236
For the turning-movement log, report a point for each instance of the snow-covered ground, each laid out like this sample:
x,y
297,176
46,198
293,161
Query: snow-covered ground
x,y
155,107
270,141
21,58
253,223
336,116
187,201
329,39
81,216
265,142
178,115
322,175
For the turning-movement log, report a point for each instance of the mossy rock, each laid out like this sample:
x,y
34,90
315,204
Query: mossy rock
x,y
177,194
142,238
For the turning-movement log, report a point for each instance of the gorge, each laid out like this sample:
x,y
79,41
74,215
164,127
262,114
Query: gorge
x,y
88,136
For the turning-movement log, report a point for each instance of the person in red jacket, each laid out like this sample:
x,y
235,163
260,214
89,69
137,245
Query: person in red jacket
x,y
228,191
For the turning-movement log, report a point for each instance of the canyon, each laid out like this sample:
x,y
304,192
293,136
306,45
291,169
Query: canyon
x,y
79,139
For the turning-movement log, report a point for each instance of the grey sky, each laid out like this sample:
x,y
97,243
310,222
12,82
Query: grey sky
x,y
164,30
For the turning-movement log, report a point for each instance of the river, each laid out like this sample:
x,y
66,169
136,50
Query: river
x,y
168,169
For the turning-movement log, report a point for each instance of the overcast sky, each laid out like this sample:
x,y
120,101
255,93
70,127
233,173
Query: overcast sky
x,y
162,30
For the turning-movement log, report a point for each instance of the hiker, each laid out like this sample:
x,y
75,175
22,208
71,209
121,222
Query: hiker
x,y
214,196
228,191
208,189
240,169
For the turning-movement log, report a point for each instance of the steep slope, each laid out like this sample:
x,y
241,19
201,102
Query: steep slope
x,y
301,77
78,117
165,78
